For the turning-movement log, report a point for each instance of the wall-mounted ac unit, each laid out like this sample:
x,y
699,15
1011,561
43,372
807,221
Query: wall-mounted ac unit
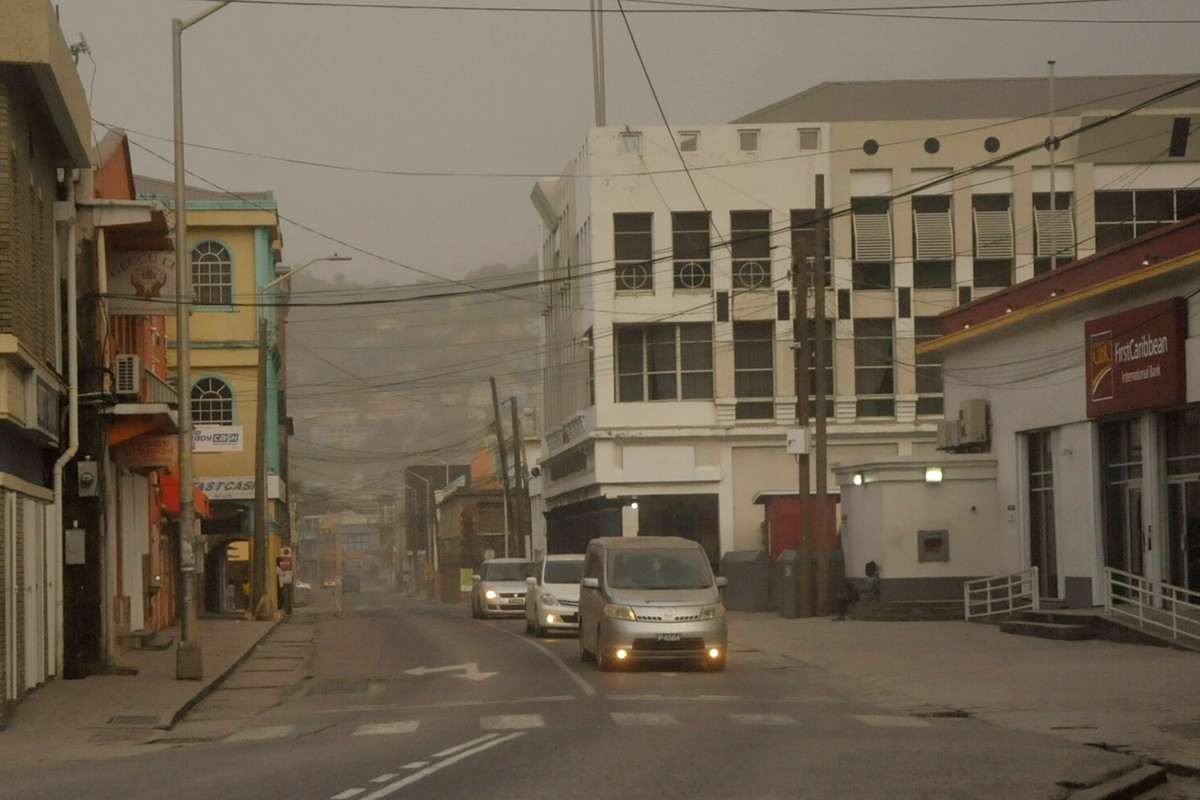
x,y
947,434
127,375
973,422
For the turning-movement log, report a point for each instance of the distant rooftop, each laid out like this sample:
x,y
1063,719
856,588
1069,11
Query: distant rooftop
x,y
153,188
973,98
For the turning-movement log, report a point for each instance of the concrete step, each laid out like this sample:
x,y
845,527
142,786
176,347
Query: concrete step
x,y
1062,631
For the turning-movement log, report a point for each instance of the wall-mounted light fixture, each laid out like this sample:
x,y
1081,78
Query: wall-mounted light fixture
x,y
933,474
633,505
858,479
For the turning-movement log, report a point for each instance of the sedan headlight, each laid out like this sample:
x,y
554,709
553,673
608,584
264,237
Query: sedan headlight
x,y
490,594
712,612
619,612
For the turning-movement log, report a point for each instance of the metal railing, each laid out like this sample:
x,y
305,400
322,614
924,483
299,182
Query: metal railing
x,y
1160,607
159,391
1003,594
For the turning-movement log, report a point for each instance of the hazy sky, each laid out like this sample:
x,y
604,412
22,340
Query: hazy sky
x,y
486,96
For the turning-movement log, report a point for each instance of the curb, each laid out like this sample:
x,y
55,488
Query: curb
x,y
1124,787
217,681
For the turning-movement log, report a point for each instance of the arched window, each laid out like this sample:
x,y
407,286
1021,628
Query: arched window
x,y
212,402
212,274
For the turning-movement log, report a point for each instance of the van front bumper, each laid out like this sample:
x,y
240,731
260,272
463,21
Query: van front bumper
x,y
664,641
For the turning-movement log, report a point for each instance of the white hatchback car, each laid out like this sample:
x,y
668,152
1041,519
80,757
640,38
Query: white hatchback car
x,y
498,588
552,600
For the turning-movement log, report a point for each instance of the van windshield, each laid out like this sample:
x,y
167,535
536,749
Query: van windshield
x,y
659,569
505,571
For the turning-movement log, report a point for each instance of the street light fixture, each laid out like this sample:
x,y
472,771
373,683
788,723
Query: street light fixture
x,y
189,663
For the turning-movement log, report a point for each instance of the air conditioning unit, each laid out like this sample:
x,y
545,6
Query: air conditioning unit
x,y
947,434
127,375
973,425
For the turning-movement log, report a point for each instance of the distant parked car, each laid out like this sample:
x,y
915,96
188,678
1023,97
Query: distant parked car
x,y
351,583
552,600
329,583
498,589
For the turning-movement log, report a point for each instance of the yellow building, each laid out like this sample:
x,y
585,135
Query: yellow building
x,y
235,242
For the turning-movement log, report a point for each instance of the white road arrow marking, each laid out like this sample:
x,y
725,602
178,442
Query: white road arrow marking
x,y
470,671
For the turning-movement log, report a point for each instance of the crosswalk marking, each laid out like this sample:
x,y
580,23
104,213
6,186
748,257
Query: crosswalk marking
x,y
512,722
385,728
346,795
415,765
385,777
763,719
880,721
256,734
629,718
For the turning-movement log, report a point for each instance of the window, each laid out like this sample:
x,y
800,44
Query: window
x,y
994,248
1121,216
929,368
1053,232
664,362
830,411
804,245
689,141
754,369
631,142
750,245
874,367
933,237
212,274
691,249
354,542
748,141
634,254
212,402
809,138
872,256
589,343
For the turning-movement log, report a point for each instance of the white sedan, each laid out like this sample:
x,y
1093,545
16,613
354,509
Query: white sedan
x,y
552,600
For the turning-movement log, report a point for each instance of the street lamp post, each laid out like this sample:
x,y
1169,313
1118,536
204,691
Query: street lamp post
x,y
260,565
189,662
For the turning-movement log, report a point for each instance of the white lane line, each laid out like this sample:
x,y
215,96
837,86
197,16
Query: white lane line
x,y
451,751
385,777
416,776
512,722
572,674
880,721
257,734
415,765
385,728
622,718
346,795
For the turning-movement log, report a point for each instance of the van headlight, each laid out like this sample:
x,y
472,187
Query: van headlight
x,y
619,612
550,600
712,612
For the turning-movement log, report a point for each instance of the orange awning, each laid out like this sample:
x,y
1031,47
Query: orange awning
x,y
170,489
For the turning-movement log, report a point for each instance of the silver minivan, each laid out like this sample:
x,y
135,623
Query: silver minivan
x,y
650,598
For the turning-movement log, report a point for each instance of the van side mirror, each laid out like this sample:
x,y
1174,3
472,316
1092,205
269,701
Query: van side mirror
x,y
590,583
722,581
476,578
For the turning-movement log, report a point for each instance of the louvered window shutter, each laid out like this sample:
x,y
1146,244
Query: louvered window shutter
x,y
872,237
993,234
1058,226
935,236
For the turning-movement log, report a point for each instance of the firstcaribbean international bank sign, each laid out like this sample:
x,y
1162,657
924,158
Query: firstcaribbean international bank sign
x,y
1135,359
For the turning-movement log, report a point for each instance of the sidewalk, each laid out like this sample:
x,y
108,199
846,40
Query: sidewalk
x,y
1134,699
69,717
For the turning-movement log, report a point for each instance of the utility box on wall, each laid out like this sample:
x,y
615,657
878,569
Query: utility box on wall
x,y
973,422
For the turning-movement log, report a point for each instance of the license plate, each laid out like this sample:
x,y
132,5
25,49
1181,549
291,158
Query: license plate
x,y
512,601
668,637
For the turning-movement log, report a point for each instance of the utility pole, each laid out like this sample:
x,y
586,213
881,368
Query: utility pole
x,y
800,357
259,566
820,451
521,502
508,506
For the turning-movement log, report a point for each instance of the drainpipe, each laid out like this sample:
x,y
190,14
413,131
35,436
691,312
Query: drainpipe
x,y
64,220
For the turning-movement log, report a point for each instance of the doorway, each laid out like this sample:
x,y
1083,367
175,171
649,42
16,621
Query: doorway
x,y
1183,534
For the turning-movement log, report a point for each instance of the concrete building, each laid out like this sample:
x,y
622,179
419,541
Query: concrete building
x,y
668,258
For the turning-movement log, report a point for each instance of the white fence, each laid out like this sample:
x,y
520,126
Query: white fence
x,y
1160,607
1004,594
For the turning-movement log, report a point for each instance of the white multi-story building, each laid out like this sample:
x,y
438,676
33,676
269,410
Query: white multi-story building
x,y
668,254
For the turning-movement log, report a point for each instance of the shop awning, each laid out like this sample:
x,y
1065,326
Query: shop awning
x,y
170,489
